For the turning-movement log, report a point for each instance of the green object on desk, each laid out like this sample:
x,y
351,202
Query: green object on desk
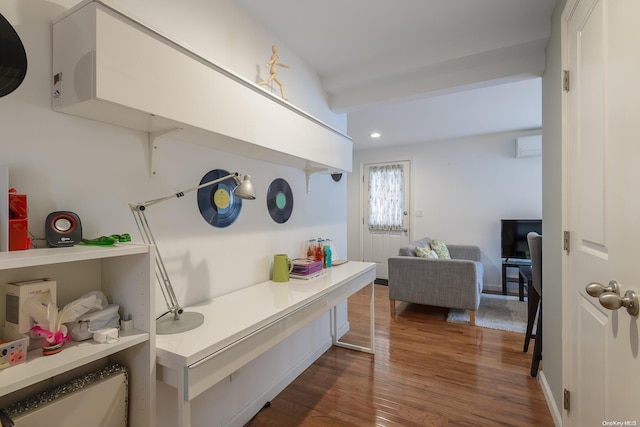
x,y
100,241
108,240
122,237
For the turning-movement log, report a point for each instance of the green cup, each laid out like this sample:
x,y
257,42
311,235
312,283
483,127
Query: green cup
x,y
282,266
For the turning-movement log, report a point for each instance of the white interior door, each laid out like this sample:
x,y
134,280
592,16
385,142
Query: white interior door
x,y
379,245
602,114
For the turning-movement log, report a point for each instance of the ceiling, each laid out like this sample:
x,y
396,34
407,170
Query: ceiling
x,y
419,70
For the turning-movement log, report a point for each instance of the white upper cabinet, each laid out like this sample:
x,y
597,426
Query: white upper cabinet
x,y
109,67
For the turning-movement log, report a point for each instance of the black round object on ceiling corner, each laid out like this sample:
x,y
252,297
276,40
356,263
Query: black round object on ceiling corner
x,y
13,58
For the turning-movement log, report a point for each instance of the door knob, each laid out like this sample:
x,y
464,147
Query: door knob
x,y
613,301
596,289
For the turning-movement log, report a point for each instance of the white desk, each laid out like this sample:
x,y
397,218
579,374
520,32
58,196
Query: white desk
x,y
241,325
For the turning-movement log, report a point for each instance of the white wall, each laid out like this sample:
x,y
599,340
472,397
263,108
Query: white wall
x,y
464,187
94,169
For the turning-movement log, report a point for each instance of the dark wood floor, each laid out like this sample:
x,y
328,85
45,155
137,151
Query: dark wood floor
x,y
426,372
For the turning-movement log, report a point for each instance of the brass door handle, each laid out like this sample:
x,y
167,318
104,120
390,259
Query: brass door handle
x,y
596,289
613,301
609,297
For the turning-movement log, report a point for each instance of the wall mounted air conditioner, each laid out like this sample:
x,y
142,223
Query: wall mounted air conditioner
x,y
529,146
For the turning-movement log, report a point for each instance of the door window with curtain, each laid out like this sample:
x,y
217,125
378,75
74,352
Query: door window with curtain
x,y
386,198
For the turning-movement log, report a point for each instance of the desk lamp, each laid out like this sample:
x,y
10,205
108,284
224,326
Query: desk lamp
x,y
182,321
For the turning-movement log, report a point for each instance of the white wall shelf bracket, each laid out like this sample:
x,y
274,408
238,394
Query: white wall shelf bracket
x,y
309,170
153,146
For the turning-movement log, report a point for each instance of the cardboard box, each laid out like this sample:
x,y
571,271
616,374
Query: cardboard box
x,y
44,290
13,349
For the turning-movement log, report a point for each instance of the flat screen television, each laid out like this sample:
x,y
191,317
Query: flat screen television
x,y
514,237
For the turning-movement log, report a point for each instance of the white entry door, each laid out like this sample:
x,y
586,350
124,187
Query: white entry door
x,y
380,243
602,122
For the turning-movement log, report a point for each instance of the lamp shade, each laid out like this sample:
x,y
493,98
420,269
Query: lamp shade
x,y
245,189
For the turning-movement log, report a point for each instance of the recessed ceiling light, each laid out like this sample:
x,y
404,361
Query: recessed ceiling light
x,y
375,135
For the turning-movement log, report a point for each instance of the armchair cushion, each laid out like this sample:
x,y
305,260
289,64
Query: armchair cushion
x,y
425,252
410,249
441,249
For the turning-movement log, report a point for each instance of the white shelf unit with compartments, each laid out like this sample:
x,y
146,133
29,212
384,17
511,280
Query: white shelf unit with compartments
x,y
124,273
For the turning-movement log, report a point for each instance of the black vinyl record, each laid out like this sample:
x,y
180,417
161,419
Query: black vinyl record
x,y
13,59
279,200
217,203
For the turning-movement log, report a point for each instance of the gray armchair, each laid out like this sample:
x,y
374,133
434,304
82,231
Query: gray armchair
x,y
452,283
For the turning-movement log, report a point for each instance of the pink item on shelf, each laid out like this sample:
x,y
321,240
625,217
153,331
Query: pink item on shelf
x,y
306,266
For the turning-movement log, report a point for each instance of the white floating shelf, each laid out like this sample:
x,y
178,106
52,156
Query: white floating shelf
x,y
46,256
74,354
110,67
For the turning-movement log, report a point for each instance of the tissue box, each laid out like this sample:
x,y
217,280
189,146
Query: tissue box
x,y
13,349
16,294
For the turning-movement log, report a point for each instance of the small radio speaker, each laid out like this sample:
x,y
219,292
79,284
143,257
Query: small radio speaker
x,y
63,228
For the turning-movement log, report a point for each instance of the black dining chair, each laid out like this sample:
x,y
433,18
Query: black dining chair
x,y
535,301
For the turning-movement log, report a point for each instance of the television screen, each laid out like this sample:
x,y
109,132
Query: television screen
x,y
514,237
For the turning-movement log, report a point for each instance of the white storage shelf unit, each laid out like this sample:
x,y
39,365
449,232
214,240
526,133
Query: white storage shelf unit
x,y
110,67
123,273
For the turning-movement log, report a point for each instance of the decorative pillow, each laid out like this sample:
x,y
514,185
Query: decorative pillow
x,y
409,250
426,252
441,249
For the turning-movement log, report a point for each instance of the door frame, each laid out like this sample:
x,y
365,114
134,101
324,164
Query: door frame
x,y
570,5
568,10
363,164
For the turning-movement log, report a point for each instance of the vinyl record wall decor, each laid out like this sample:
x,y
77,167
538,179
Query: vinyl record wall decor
x,y
279,200
217,203
13,60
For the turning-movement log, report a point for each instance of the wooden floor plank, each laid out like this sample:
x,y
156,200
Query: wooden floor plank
x,y
426,372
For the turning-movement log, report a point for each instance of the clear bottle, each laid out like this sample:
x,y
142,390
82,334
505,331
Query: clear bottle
x,y
311,249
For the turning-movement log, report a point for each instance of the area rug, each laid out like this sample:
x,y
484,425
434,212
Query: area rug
x,y
495,312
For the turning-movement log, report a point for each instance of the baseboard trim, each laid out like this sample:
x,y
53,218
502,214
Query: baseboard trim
x,y
551,403
249,411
